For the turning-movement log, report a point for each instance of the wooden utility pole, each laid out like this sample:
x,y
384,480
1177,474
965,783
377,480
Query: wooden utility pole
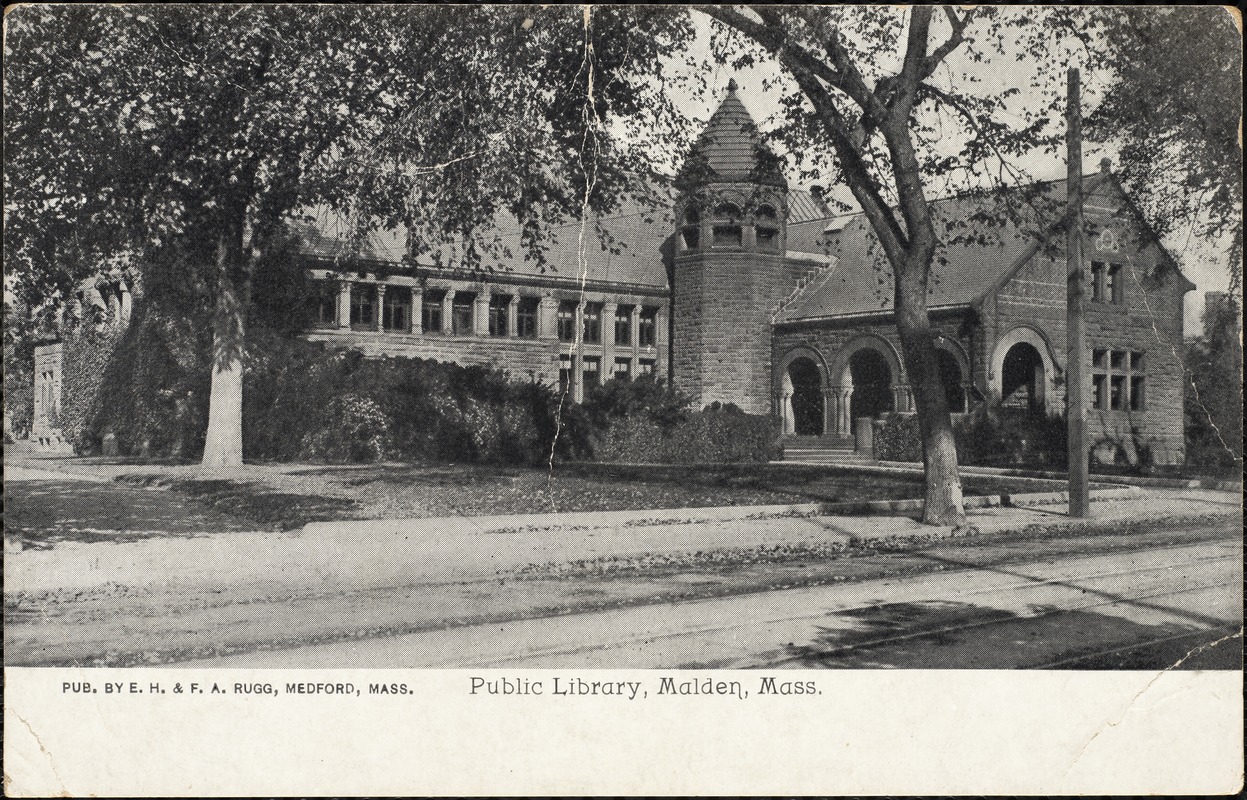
x,y
1075,320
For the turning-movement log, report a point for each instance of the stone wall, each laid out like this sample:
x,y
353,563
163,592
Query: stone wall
x,y
722,308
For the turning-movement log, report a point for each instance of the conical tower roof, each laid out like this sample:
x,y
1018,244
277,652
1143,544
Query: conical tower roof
x,y
730,149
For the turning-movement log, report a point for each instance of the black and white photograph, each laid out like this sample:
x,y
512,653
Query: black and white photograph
x,y
693,359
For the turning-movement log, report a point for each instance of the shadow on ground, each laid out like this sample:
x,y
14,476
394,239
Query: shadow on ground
x,y
956,635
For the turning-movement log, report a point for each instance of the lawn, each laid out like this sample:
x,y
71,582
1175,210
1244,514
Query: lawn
x,y
290,495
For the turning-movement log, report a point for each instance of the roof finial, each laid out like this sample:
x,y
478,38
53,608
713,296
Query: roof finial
x,y
731,85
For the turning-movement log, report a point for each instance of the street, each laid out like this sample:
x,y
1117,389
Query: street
x,y
1154,606
1149,583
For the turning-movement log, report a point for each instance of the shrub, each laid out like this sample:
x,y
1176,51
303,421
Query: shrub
x,y
1003,437
898,439
351,429
713,436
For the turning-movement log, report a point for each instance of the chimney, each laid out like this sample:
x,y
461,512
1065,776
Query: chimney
x,y
1106,165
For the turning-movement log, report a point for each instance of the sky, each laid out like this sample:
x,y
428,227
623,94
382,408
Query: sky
x,y
1203,264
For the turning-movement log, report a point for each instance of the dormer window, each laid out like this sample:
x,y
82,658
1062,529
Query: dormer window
x,y
766,228
690,229
727,227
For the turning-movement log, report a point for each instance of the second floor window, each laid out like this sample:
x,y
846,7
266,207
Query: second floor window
x,y
461,313
363,305
646,336
431,312
1107,284
326,303
623,325
396,314
526,318
567,321
498,313
592,324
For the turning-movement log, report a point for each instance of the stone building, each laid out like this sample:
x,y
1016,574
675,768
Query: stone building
x,y
743,290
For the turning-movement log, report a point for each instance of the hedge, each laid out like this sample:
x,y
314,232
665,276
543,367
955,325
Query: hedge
x,y
709,437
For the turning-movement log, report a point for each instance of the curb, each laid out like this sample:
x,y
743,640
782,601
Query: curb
x,y
598,520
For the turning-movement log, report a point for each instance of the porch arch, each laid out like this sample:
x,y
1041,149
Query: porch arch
x,y
841,379
801,403
1038,340
959,360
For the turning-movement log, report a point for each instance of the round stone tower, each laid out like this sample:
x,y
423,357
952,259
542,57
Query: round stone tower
x,y
729,271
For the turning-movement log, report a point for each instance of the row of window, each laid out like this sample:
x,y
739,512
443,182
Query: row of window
x,y
591,370
727,227
591,324
1117,380
396,315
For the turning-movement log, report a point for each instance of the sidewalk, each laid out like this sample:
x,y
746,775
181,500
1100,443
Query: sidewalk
x,y
376,554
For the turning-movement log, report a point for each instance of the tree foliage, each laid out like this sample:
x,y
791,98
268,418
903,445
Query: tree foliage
x,y
1175,110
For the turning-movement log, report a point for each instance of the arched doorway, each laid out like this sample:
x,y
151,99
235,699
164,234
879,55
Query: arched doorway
x,y
951,378
807,397
1022,378
872,384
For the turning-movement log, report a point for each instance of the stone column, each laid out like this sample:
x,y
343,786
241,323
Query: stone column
x,y
844,410
417,310
127,303
448,310
480,315
578,361
829,411
547,313
344,304
513,315
902,398
380,307
608,340
660,341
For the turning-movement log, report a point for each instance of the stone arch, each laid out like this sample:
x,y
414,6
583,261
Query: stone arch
x,y
958,396
792,394
1038,340
841,380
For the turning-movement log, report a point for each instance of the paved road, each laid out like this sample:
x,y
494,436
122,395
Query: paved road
x,y
1155,606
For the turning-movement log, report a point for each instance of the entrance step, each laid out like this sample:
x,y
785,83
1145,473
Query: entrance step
x,y
823,450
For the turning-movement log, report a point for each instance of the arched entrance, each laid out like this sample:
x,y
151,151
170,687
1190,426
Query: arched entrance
x,y
872,384
1022,378
951,378
807,397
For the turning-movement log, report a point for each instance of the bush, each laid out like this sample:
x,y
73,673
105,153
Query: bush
x,y
713,436
351,429
1009,437
898,439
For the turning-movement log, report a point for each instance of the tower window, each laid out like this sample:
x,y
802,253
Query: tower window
x,y
766,229
690,231
727,227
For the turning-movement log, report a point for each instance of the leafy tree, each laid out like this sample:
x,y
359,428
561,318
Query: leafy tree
x,y
1175,109
133,128
1214,391
890,103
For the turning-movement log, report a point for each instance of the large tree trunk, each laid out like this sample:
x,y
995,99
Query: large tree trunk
x,y
223,446
943,502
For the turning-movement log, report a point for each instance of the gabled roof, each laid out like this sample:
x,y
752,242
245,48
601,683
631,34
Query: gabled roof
x,y
978,254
